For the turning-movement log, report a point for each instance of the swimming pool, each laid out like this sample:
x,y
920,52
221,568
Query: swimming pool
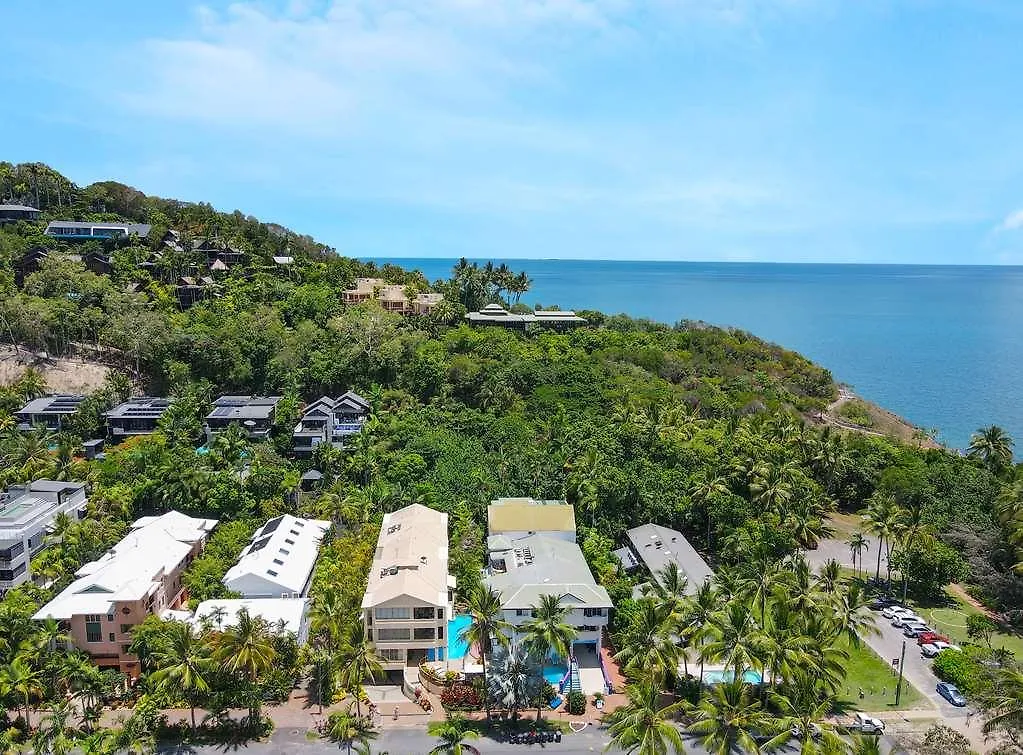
x,y
718,677
456,648
554,674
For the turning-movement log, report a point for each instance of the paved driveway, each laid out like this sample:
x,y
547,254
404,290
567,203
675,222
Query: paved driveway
x,y
839,550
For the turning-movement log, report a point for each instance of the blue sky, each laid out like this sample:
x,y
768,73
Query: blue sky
x,y
774,130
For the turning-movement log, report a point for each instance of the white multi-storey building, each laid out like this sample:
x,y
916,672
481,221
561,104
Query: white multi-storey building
x,y
26,514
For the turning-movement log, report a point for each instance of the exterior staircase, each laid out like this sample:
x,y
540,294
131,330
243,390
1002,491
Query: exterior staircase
x,y
573,678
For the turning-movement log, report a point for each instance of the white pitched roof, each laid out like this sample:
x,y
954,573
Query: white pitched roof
x,y
282,554
411,558
293,612
131,569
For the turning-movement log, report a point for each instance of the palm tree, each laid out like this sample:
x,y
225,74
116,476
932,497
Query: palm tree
x,y
992,446
704,490
642,726
246,648
452,734
648,648
31,384
736,641
865,744
20,679
184,664
516,676
581,482
881,519
850,614
1004,705
728,719
857,544
804,714
54,734
350,731
547,633
101,742
359,662
485,625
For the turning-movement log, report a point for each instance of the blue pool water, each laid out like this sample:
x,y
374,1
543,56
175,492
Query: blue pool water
x,y
719,677
456,648
554,674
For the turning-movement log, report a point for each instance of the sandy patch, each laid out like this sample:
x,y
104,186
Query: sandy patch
x,y
62,375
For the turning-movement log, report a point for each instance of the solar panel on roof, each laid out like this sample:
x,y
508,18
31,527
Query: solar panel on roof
x,y
259,545
222,411
270,526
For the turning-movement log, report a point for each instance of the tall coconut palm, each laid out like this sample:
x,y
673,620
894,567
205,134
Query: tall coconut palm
x,y
648,647
246,648
881,519
452,734
643,726
992,446
351,732
582,481
804,713
359,662
1004,704
858,543
728,718
736,640
183,664
486,625
850,615
22,681
703,491
547,632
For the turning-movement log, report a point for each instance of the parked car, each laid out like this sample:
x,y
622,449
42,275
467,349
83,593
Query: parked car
x,y
901,619
878,603
815,732
867,725
893,609
931,649
923,639
951,693
914,630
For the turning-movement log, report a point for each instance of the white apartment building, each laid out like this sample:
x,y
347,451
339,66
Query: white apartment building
x,y
408,600
26,514
279,561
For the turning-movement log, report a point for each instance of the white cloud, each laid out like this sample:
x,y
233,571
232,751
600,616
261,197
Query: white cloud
x,y
1013,221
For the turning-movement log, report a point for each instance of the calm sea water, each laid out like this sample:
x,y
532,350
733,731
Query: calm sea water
x,y
939,345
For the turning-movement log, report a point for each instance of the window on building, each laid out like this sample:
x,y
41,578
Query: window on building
x,y
423,613
289,542
425,633
588,612
393,635
520,612
440,631
111,637
393,655
93,630
440,613
125,628
278,562
384,614
271,572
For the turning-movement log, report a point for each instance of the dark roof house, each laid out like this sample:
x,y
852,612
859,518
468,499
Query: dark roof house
x,y
254,413
330,420
11,213
136,416
50,411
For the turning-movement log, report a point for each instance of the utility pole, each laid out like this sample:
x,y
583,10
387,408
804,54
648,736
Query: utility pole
x,y
898,687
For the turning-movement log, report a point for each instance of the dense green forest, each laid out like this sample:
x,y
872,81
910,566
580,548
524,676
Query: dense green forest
x,y
707,430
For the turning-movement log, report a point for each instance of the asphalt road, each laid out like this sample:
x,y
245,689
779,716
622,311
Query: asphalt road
x,y
417,742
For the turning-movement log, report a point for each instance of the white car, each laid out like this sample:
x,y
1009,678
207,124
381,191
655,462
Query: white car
x,y
931,649
902,619
894,609
867,725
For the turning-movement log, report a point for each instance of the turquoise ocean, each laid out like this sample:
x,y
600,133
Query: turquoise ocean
x,y
941,346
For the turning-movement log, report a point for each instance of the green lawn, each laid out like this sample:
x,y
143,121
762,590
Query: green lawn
x,y
867,672
950,620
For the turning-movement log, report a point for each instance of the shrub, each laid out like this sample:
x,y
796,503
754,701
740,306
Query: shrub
x,y
461,697
960,669
575,703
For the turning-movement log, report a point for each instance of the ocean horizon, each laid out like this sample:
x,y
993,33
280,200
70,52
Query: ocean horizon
x,y
940,345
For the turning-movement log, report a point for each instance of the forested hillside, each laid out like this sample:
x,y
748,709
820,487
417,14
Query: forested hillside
x,y
706,430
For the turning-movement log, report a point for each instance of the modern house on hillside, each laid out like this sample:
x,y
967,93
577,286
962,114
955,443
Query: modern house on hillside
x,y
49,411
329,420
136,416
279,561
139,576
83,229
190,289
518,517
255,414
393,297
409,595
655,547
11,213
26,515
495,314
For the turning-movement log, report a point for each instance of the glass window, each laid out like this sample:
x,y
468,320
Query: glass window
x,y
111,637
426,633
93,631
394,655
391,635
423,613
391,613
